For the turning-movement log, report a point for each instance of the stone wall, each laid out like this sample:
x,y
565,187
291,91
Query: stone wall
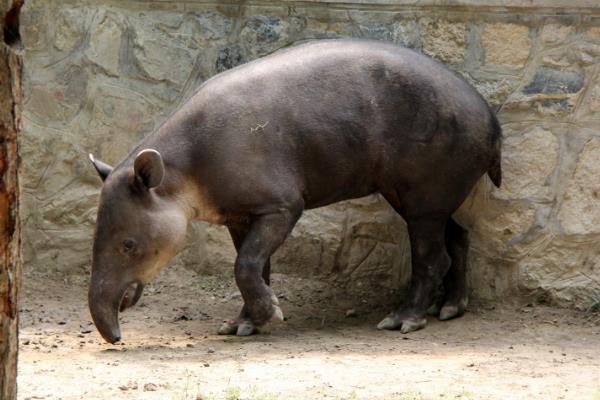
x,y
99,78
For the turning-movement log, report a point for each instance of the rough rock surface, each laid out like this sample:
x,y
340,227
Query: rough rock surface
x,y
100,77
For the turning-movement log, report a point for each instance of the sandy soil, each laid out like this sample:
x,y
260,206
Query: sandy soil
x,y
171,351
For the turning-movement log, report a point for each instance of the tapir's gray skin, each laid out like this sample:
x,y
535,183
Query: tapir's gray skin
x,y
302,128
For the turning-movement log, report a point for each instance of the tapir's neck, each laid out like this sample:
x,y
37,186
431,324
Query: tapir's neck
x,y
189,196
195,201
180,185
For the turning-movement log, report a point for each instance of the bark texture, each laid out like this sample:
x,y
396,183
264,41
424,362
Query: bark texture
x,y
10,259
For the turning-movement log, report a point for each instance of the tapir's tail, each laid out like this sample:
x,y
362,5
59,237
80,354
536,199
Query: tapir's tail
x,y
495,169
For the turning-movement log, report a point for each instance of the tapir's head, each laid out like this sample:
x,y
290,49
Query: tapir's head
x,y
138,230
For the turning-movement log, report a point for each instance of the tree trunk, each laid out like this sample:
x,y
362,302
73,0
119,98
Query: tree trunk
x,y
10,257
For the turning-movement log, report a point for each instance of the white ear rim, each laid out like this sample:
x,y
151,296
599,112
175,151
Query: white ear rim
x,y
149,168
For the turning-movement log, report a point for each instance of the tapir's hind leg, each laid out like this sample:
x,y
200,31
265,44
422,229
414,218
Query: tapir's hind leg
x,y
455,281
430,262
242,325
452,297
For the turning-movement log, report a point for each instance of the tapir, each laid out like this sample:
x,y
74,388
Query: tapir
x,y
307,126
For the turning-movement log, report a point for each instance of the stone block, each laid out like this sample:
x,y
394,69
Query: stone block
x,y
164,49
444,40
34,26
121,114
264,34
593,34
71,27
556,33
528,159
105,43
506,45
580,210
555,81
563,273
495,90
406,33
229,57
590,106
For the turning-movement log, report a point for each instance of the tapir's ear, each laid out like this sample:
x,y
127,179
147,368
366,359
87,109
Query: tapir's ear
x,y
149,168
102,168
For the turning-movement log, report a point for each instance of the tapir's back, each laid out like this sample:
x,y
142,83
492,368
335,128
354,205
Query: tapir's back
x,y
350,116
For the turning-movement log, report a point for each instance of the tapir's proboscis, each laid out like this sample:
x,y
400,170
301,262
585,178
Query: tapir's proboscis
x,y
307,126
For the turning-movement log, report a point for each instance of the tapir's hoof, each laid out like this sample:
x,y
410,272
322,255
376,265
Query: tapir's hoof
x,y
405,325
388,323
450,311
410,325
228,328
277,315
245,328
276,319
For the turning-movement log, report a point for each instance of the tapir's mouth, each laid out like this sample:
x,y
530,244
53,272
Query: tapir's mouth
x,y
131,295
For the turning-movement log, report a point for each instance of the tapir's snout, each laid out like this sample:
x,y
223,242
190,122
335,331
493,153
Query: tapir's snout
x,y
106,300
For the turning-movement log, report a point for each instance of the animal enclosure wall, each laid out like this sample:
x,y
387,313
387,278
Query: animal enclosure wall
x,y
100,77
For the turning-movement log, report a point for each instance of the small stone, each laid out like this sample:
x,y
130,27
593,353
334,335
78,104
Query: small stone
x,y
210,350
150,387
206,364
351,313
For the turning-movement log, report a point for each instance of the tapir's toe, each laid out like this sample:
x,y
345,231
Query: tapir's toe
x,y
405,324
228,327
245,328
389,323
453,309
410,325
448,312
277,315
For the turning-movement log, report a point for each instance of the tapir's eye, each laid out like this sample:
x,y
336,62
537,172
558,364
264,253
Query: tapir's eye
x,y
128,245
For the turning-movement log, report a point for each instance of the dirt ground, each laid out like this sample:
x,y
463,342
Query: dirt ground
x,y
171,351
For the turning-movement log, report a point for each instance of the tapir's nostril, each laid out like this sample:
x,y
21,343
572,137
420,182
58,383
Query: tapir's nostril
x,y
131,296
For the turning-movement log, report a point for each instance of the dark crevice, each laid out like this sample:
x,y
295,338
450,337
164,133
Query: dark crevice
x,y
12,37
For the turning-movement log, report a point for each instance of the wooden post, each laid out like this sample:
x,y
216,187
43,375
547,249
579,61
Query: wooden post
x,y
10,257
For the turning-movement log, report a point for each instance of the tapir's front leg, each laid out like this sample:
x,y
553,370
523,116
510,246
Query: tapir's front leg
x,y
265,235
242,326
